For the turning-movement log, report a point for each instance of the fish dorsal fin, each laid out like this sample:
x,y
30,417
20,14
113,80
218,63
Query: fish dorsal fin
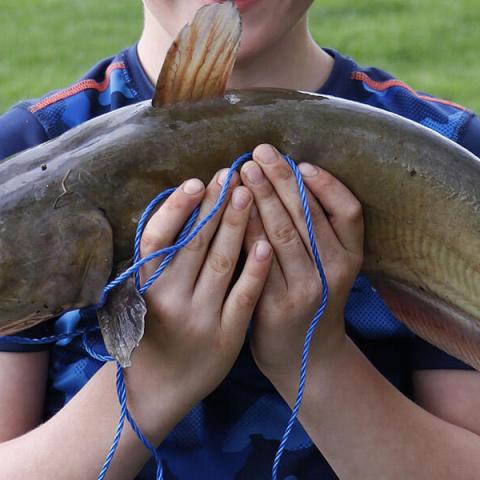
x,y
200,60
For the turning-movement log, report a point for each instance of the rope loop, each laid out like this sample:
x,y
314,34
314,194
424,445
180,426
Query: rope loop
x,y
186,235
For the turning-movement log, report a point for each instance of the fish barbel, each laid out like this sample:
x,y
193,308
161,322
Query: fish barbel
x,y
69,207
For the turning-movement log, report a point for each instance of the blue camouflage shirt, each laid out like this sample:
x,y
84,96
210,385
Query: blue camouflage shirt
x,y
235,431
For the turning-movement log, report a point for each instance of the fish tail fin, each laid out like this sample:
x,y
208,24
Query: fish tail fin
x,y
200,60
433,320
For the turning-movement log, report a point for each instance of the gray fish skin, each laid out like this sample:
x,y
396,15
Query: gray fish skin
x,y
420,194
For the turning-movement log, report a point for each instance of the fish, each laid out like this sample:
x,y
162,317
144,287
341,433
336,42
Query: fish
x,y
69,208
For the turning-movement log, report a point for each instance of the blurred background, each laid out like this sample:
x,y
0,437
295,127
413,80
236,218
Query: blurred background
x,y
430,44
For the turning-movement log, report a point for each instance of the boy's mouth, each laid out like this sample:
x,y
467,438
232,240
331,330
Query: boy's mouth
x,y
242,5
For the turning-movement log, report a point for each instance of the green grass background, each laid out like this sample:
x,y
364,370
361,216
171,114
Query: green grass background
x,y
431,44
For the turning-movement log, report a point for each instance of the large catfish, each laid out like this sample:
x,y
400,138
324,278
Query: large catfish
x,y
69,208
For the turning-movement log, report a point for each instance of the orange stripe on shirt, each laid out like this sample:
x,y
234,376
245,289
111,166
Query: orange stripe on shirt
x,y
79,87
386,84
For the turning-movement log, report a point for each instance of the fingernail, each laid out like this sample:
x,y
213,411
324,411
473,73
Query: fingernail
x,y
193,186
262,250
254,173
253,211
240,198
222,176
307,169
267,154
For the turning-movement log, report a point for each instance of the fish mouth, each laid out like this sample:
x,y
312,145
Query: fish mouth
x,y
11,327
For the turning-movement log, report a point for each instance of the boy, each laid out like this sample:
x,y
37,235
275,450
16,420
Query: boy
x,y
186,370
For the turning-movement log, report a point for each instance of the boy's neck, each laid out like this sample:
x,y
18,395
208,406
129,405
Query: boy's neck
x,y
295,62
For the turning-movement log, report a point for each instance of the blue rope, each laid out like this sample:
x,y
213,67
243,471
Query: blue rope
x,y
124,413
146,443
186,236
93,353
313,324
45,340
143,220
122,398
181,242
183,235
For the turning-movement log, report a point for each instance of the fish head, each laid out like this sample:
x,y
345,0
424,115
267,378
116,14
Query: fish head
x,y
19,309
51,263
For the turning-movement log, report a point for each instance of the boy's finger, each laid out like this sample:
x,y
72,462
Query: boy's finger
x,y
282,178
255,233
255,230
165,224
281,232
222,257
240,304
190,258
343,209
325,236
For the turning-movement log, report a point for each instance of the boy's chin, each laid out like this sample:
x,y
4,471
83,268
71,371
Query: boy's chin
x,y
252,46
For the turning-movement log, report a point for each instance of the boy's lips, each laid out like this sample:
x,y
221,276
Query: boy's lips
x,y
242,5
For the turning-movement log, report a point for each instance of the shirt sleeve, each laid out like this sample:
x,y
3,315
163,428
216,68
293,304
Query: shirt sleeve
x,y
471,136
19,130
424,356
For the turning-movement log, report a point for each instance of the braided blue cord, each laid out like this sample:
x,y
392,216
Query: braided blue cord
x,y
146,442
122,397
185,236
44,340
165,262
93,353
181,242
124,413
313,324
143,221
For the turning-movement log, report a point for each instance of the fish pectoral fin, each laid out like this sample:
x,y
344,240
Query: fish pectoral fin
x,y
122,321
432,319
200,60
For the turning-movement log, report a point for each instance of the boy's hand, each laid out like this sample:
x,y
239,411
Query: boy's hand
x,y
293,290
196,323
